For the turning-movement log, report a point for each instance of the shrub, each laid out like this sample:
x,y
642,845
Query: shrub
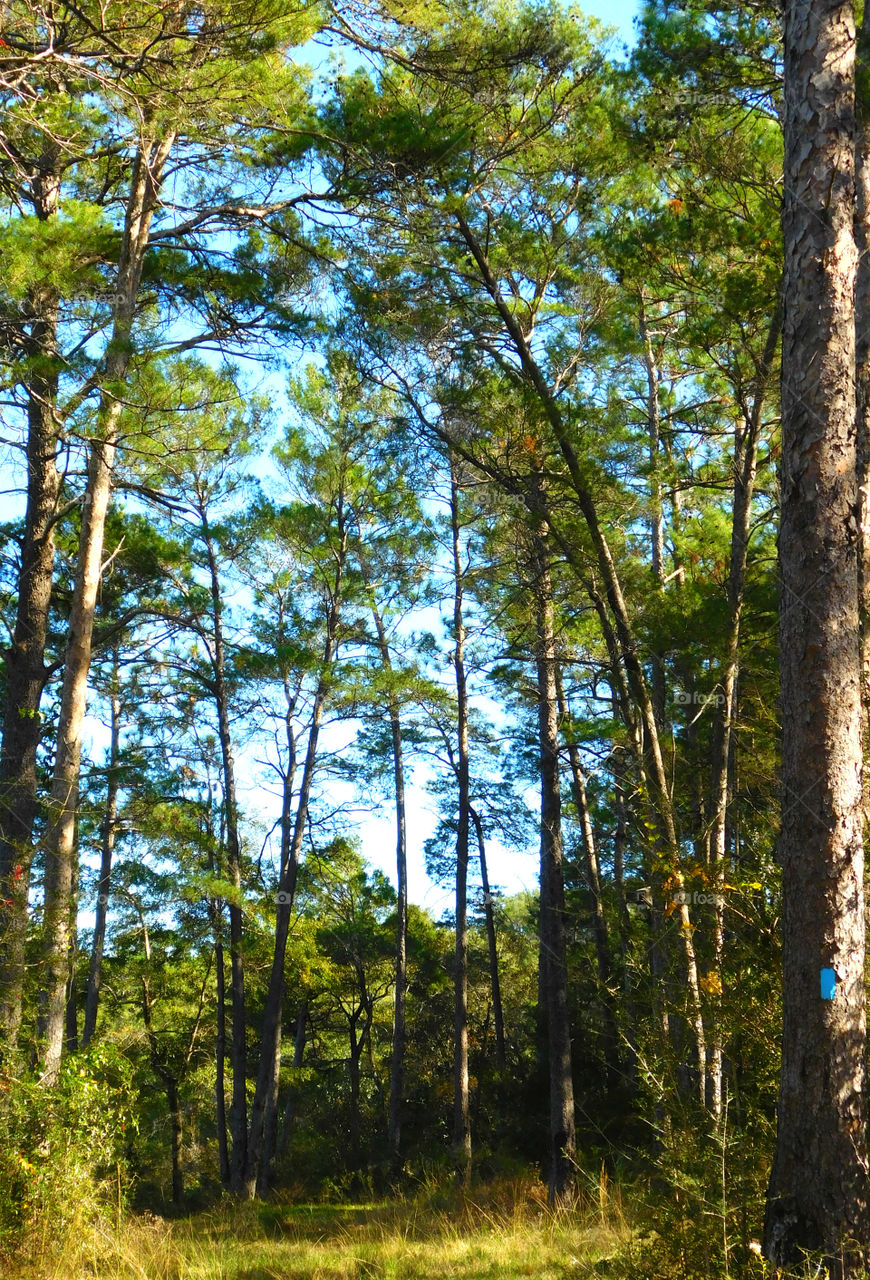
x,y
62,1162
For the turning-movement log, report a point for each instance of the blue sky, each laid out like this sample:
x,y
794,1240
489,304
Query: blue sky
x,y
615,13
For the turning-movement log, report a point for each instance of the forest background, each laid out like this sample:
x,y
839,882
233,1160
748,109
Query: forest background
x,y
300,356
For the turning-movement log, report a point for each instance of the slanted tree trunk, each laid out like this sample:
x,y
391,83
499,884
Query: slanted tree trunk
x,y
25,666
107,851
492,943
144,187
817,1198
562,1145
461,1106
619,633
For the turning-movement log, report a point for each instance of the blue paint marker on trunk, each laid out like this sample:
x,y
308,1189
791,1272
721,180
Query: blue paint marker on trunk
x,y
829,983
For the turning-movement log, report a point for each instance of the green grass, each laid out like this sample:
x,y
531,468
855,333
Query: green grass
x,y
496,1238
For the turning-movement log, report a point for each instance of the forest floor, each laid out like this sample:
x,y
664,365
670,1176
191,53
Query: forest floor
x,y
402,1240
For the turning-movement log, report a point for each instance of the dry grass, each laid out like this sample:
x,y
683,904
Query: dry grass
x,y
506,1235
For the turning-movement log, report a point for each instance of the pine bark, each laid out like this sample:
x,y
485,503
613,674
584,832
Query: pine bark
x,y
59,842
25,657
817,1197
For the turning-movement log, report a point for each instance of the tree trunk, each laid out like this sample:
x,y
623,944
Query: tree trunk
x,y
110,823
220,1053
397,1057
862,359
817,1198
147,172
298,1055
593,881
492,944
72,995
238,1043
651,762
722,754
264,1106
562,1146
25,667
176,1132
461,1108
657,514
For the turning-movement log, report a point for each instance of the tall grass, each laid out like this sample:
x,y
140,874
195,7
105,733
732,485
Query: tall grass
x,y
504,1233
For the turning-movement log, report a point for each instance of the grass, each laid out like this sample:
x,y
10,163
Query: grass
x,y
500,1236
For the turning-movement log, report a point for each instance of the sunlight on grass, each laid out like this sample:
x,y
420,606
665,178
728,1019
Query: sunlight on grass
x,y
397,1241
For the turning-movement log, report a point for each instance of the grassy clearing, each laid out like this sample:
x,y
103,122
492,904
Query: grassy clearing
x,y
401,1240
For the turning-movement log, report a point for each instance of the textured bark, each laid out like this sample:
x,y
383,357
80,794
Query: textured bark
x,y
862,351
107,850
25,665
144,186
817,1196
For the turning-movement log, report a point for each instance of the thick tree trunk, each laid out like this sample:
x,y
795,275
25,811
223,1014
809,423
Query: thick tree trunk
x,y
817,1197
59,842
397,1056
562,1145
862,359
492,943
107,850
25,673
